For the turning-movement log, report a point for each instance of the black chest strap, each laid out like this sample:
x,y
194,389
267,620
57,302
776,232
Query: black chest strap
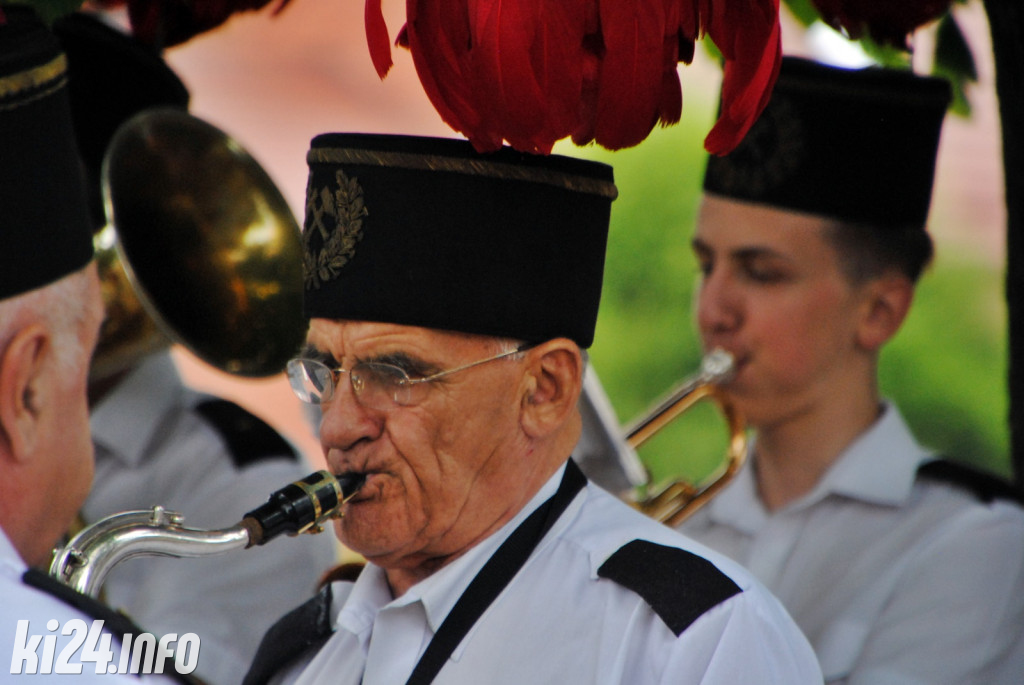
x,y
303,628
495,575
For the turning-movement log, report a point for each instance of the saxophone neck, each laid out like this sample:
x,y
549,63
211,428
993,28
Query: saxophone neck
x,y
300,507
87,559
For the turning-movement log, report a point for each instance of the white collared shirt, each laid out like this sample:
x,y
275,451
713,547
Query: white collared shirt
x,y
558,621
893,580
152,447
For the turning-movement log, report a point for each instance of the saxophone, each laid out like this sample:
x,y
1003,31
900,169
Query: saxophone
x,y
300,507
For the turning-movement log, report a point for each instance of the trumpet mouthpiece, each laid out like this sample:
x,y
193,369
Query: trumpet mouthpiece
x,y
717,365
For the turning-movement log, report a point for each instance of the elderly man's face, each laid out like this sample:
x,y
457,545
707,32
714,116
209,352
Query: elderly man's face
x,y
441,474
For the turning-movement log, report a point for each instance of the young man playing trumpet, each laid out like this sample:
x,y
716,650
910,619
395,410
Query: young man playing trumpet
x,y
900,568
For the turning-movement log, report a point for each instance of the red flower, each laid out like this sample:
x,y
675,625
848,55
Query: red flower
x,y
887,21
532,72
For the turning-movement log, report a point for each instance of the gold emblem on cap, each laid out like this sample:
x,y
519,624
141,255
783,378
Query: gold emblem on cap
x,y
345,209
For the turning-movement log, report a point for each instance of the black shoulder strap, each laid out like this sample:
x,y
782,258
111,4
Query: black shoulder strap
x,y
117,623
249,437
678,585
114,622
303,628
985,486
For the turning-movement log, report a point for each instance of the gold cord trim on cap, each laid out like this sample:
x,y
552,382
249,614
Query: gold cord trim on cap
x,y
473,167
42,81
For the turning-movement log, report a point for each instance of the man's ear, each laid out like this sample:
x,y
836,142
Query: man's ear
x,y
21,385
554,382
887,302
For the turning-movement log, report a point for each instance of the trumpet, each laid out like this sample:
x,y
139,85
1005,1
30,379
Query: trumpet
x,y
678,500
303,506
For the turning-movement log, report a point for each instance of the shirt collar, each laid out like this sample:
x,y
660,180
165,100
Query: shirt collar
x,y
440,591
9,557
124,421
879,467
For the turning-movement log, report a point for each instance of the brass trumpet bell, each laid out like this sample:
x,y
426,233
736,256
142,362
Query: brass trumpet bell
x,y
678,500
201,242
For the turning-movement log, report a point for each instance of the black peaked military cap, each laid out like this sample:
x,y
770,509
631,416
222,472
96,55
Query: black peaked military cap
x,y
856,145
45,232
427,232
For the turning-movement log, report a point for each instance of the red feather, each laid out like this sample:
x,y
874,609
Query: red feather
x,y
527,68
501,69
630,80
560,62
590,70
377,37
531,72
438,33
748,34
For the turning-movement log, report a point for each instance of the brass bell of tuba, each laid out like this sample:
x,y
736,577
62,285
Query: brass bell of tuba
x,y
200,249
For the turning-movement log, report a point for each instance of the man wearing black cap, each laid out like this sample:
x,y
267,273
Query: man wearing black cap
x,y
450,295
50,313
161,442
810,238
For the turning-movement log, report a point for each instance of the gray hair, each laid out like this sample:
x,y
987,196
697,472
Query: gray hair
x,y
59,306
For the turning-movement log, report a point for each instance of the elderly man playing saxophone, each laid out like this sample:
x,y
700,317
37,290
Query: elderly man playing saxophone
x,y
450,295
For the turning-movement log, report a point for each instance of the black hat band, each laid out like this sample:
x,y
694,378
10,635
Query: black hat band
x,y
472,167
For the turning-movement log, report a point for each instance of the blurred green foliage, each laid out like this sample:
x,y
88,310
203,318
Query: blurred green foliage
x,y
48,10
946,369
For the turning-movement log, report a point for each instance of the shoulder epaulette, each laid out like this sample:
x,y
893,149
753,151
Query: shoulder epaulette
x,y
303,628
249,438
678,585
985,486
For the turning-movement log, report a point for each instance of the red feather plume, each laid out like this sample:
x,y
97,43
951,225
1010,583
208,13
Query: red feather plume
x,y
532,72
752,47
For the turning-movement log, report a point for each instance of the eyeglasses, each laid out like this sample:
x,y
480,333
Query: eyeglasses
x,y
375,385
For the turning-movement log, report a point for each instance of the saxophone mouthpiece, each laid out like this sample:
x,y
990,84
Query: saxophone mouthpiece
x,y
350,484
302,507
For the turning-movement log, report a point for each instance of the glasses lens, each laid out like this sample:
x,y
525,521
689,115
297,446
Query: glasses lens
x,y
380,386
311,380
